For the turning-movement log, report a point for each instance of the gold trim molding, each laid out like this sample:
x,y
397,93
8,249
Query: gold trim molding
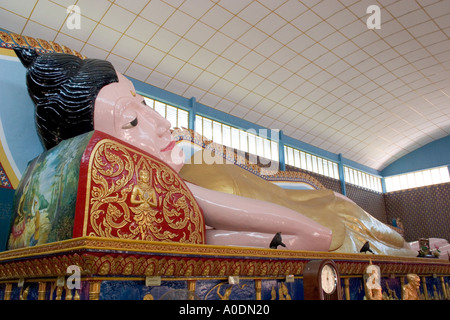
x,y
113,257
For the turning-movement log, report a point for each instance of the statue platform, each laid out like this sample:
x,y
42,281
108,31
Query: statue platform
x,y
113,269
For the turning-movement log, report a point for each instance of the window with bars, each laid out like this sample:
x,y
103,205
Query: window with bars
x,y
362,179
417,179
177,117
247,141
310,162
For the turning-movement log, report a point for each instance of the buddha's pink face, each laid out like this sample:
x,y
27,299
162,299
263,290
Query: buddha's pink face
x,y
123,114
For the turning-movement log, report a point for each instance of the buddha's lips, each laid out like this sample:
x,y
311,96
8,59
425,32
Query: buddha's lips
x,y
169,147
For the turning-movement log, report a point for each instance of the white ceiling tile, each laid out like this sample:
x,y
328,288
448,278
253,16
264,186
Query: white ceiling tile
x,y
251,81
314,52
110,18
252,38
176,87
120,64
290,100
356,57
321,31
353,29
188,73
234,6
438,9
220,66
254,13
149,57
443,21
142,29
252,60
127,47
270,24
320,78
301,43
39,31
398,38
169,66
266,68
307,20
253,116
278,94
325,9
251,99
12,22
280,75
216,17
315,95
184,49
158,80
235,28
196,92
69,42
44,9
138,72
93,52
286,34
83,33
94,10
22,8
157,12
237,94
413,18
264,87
235,52
402,7
164,40
236,74
338,68
291,10
268,47
179,23
210,99
423,29
196,8
341,18
293,82
199,33
272,4
104,37
202,58
134,6
222,87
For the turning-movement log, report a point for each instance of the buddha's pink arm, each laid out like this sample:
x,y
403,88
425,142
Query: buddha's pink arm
x,y
249,222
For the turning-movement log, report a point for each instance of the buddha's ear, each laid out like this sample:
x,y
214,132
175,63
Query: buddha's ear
x,y
26,56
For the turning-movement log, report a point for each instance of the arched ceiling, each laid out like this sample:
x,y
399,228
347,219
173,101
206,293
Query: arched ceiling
x,y
310,68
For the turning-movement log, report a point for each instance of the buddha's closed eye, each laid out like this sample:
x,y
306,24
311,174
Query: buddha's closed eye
x,y
130,124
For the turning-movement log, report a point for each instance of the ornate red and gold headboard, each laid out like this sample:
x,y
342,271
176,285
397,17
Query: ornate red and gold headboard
x,y
126,194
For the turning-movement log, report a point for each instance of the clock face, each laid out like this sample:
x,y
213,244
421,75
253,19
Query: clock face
x,y
328,279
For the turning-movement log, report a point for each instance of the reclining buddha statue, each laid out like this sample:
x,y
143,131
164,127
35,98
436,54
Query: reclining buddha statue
x,y
81,100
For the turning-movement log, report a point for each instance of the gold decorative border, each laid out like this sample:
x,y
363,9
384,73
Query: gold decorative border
x,y
113,257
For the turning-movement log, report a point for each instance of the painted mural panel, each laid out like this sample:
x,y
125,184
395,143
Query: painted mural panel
x,y
222,290
275,289
136,290
44,203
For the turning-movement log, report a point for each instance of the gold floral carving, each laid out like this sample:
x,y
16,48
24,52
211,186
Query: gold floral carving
x,y
163,210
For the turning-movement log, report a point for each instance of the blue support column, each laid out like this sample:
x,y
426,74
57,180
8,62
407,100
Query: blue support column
x,y
192,113
383,185
281,151
341,174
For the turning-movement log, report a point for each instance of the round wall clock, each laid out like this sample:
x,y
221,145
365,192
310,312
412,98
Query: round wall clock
x,y
321,281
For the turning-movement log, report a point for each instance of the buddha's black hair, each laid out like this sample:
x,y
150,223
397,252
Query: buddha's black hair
x,y
64,88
